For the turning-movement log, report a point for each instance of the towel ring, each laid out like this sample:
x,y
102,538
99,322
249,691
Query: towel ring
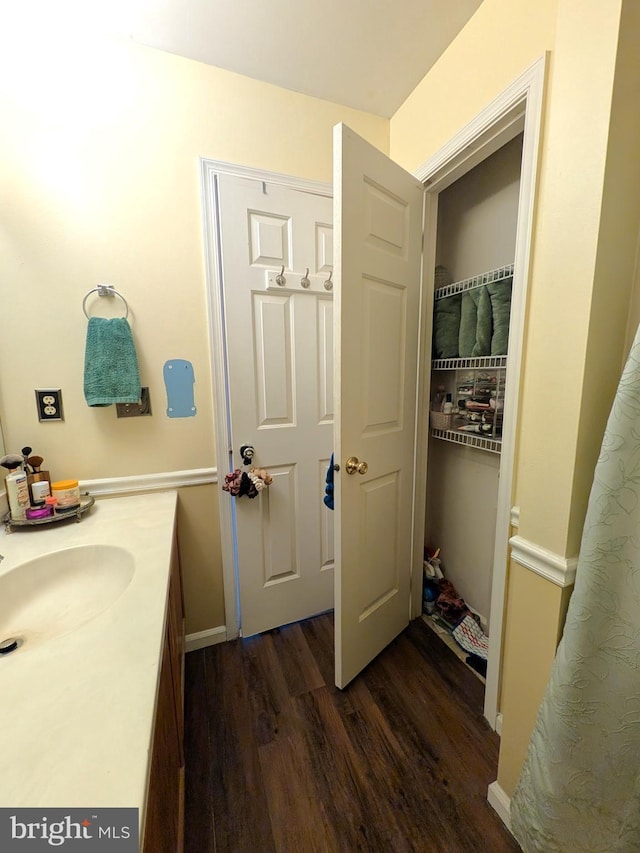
x,y
104,290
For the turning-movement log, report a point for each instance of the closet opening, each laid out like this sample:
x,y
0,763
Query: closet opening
x,y
475,248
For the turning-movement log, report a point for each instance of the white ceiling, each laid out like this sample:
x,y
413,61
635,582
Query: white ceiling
x,y
367,54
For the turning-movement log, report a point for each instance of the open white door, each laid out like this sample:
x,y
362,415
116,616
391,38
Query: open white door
x,y
378,247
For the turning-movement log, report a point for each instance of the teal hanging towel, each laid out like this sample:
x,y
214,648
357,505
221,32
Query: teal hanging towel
x,y
110,363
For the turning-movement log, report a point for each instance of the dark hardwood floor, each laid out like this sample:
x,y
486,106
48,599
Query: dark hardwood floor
x,y
279,759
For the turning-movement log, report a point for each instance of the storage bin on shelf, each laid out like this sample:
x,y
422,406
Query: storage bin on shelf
x,y
441,420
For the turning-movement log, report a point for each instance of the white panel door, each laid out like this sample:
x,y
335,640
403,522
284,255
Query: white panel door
x,y
280,385
378,232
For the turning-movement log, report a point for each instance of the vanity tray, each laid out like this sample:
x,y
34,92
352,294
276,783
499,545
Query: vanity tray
x,y
86,502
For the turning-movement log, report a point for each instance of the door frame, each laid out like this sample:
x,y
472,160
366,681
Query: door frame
x,y
517,109
211,218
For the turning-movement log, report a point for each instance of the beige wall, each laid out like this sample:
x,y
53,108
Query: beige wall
x,y
535,616
500,41
99,177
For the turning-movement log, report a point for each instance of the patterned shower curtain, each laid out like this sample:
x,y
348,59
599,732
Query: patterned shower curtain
x,y
580,784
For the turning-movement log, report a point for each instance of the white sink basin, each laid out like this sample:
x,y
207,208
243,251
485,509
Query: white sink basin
x,y
54,594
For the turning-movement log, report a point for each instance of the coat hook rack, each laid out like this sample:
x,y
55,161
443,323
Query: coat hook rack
x,y
328,285
305,280
280,279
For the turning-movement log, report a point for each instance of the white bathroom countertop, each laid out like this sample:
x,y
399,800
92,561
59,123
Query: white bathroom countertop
x,y
77,710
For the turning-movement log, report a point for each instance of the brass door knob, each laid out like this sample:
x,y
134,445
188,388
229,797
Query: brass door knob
x,y
354,465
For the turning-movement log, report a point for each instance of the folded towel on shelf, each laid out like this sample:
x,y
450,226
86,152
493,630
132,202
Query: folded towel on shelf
x,y
500,296
446,326
110,363
475,323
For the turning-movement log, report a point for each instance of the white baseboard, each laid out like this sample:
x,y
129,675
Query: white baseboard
x,y
500,803
202,639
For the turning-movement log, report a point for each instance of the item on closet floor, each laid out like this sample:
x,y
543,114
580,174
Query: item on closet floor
x,y
471,637
477,663
500,296
110,363
431,564
431,574
449,603
429,596
328,488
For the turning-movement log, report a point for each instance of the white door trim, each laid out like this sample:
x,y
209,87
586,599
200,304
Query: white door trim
x,y
209,171
518,108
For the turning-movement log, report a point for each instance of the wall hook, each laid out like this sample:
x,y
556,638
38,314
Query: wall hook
x,y
280,279
304,281
328,285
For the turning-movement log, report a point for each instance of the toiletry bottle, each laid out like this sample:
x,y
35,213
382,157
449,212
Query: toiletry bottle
x,y
447,406
39,491
17,493
438,399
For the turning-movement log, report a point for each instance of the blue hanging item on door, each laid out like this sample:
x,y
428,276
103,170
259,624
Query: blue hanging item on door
x,y
328,489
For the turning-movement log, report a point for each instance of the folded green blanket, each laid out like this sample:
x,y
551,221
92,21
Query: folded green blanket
x,y
110,363
475,323
446,326
500,296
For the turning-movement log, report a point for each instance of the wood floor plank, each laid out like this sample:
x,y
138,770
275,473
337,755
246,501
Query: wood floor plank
x,y
342,788
198,802
298,819
240,810
298,663
399,761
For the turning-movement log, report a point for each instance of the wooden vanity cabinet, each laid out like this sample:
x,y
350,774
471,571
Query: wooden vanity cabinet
x,y
164,822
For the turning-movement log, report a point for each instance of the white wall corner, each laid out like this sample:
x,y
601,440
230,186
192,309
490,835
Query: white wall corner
x,y
500,803
555,568
202,639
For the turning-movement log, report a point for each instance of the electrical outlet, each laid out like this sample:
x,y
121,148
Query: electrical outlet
x,y
49,404
135,410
